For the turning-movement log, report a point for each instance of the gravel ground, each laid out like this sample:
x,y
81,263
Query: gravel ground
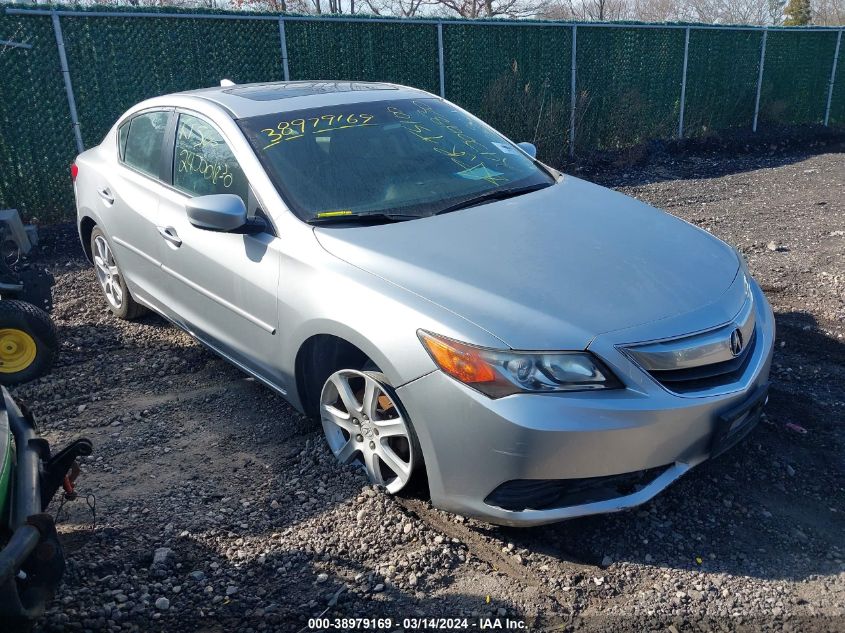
x,y
218,508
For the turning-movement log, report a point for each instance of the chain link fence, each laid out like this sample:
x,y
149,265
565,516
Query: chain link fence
x,y
722,74
36,138
393,52
117,62
796,76
516,78
572,89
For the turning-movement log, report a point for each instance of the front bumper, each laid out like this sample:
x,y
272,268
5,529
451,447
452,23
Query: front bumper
x,y
473,444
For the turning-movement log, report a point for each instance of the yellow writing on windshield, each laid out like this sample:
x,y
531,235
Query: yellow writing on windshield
x,y
468,153
297,128
332,214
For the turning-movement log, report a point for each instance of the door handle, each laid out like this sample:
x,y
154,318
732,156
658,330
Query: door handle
x,y
169,234
106,195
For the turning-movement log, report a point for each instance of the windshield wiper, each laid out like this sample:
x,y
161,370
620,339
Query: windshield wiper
x,y
497,194
362,218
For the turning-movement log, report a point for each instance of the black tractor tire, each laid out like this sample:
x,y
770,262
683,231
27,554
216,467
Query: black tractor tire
x,y
38,326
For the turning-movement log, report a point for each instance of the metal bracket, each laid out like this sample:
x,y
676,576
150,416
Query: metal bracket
x,y
53,475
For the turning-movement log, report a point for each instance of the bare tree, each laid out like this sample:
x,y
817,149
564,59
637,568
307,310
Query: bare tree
x,y
728,11
824,12
492,8
657,10
707,11
602,10
776,8
588,10
275,6
399,8
829,12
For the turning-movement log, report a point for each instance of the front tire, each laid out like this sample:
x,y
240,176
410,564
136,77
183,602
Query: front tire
x,y
28,342
365,424
111,279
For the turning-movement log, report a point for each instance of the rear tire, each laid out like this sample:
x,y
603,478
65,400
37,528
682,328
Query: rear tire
x,y
111,280
28,342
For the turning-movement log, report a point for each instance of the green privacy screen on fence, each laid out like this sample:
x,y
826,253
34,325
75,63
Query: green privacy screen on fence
x,y
397,53
628,86
721,81
36,141
117,62
518,77
796,77
837,105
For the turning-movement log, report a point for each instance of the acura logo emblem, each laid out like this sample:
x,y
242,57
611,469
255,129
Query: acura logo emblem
x,y
736,342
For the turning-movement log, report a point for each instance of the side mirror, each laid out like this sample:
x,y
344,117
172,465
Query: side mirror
x,y
528,148
217,212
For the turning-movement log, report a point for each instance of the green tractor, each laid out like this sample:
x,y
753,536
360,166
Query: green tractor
x,y
31,561
28,341
31,558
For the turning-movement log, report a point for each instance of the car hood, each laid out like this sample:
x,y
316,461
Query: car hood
x,y
550,269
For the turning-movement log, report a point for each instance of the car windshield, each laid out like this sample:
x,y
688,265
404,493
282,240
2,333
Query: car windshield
x,y
395,160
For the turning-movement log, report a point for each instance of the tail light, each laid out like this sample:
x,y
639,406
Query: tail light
x,y
74,170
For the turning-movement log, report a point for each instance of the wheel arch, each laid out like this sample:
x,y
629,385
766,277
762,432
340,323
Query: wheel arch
x,y
318,356
86,227
322,354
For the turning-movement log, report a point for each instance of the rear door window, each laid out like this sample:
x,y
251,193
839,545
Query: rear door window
x,y
143,142
203,164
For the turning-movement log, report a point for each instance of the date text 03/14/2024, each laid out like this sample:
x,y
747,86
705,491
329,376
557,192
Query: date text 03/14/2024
x,y
417,624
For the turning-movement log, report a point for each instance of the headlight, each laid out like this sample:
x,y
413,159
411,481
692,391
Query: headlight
x,y
498,373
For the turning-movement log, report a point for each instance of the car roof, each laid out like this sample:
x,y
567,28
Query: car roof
x,y
248,100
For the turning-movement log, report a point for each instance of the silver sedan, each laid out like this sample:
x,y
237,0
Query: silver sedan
x,y
538,346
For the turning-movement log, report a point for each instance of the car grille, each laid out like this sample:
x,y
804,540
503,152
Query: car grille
x,y
706,377
703,361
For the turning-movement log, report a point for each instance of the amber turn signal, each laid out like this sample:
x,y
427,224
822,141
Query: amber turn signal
x,y
458,360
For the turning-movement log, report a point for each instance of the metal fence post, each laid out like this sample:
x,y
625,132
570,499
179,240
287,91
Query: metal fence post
x,y
441,66
572,76
71,101
832,79
760,78
283,42
683,85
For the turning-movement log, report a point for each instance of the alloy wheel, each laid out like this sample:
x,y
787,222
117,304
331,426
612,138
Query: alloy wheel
x,y
107,272
364,425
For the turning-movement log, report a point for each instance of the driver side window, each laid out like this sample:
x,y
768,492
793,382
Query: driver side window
x,y
202,163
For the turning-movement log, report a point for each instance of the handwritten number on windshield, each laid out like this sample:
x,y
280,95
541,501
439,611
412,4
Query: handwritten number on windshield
x,y
297,128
